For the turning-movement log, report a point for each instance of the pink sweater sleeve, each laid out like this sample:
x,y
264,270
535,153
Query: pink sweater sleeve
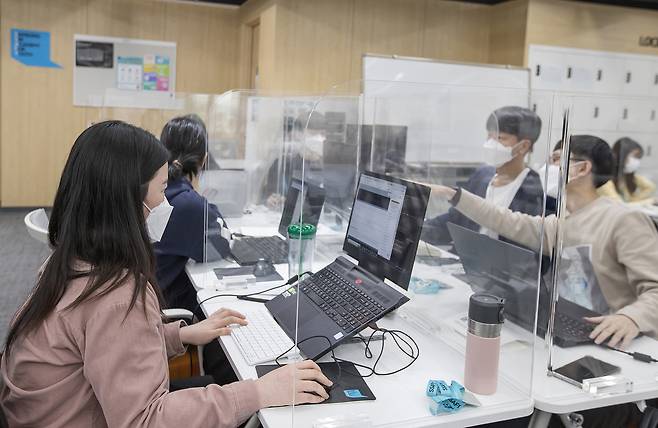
x,y
125,361
172,338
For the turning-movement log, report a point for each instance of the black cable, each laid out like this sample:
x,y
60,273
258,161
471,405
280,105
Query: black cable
x,y
290,281
395,335
645,358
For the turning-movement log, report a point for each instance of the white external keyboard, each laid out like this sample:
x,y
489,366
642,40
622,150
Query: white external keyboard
x,y
262,340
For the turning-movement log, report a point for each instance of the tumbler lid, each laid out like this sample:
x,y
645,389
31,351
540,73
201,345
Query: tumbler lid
x,y
486,308
303,231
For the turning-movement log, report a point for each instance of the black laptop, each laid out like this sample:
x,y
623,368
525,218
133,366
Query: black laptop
x,y
248,250
510,271
343,298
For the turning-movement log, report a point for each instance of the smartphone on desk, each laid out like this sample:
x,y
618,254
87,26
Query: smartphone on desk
x,y
583,368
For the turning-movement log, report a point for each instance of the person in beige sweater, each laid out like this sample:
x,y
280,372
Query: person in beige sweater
x,y
88,348
624,242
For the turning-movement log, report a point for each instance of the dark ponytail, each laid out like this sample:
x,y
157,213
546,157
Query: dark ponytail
x,y
186,139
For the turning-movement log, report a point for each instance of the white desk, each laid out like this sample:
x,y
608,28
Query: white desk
x,y
429,320
556,396
401,397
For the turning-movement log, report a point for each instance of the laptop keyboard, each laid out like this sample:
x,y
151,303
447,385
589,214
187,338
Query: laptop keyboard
x,y
261,340
270,248
568,326
341,300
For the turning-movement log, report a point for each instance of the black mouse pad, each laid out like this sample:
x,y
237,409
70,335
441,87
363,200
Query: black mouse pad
x,y
245,270
350,386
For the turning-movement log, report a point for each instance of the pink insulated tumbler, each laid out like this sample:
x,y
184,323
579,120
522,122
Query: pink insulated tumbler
x,y
485,320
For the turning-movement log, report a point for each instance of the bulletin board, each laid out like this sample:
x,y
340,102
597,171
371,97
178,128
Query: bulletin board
x,y
119,72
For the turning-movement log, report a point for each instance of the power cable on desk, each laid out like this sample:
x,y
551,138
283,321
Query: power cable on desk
x,y
645,358
395,335
290,281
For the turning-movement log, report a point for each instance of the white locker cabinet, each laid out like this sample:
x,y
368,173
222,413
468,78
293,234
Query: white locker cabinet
x,y
548,70
637,115
582,74
637,76
653,80
613,74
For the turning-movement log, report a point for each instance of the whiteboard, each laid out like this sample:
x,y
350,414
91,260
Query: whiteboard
x,y
109,85
445,105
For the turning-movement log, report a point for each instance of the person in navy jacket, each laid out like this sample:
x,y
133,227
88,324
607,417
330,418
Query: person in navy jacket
x,y
505,180
186,140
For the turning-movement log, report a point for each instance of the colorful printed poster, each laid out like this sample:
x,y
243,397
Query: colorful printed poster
x,y
129,72
156,73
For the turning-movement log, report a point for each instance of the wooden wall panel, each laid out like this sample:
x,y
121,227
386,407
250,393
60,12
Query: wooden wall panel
x,y
39,122
396,29
313,43
507,41
206,57
590,26
456,31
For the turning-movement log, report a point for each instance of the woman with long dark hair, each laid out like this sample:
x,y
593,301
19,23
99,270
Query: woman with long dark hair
x,y
627,185
88,347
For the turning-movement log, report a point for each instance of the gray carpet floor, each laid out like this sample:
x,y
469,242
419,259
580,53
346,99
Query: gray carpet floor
x,y
20,258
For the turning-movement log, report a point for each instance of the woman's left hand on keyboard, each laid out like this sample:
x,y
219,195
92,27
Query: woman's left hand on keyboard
x,y
217,324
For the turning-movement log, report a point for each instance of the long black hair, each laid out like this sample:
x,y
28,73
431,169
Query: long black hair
x,y
98,219
621,150
186,139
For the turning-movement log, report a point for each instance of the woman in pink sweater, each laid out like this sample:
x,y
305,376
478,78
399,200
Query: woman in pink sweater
x,y
89,348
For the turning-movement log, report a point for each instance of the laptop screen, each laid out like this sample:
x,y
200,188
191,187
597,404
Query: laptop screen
x,y
385,225
293,209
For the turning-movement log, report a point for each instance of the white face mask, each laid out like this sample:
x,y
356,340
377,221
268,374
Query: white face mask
x,y
632,165
550,182
496,154
157,220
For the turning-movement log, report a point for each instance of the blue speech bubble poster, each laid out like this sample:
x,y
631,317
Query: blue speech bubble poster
x,y
31,48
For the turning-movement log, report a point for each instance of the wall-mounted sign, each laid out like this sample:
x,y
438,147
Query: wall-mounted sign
x,y
649,41
31,48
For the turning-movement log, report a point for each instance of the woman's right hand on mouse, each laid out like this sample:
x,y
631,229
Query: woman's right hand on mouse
x,y
304,379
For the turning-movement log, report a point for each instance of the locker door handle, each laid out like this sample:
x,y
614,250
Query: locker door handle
x,y
628,77
653,114
655,79
625,115
538,70
596,112
599,75
534,108
569,73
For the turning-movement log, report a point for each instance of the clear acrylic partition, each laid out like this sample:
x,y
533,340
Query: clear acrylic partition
x,y
606,248
434,135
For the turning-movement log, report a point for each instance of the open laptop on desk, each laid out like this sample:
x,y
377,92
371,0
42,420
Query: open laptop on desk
x,y
248,250
509,271
325,309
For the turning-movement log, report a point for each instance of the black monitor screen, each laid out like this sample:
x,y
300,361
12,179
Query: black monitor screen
x,y
385,225
292,210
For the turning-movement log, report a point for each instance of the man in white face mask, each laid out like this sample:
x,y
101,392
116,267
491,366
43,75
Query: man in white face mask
x,y
505,180
622,242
